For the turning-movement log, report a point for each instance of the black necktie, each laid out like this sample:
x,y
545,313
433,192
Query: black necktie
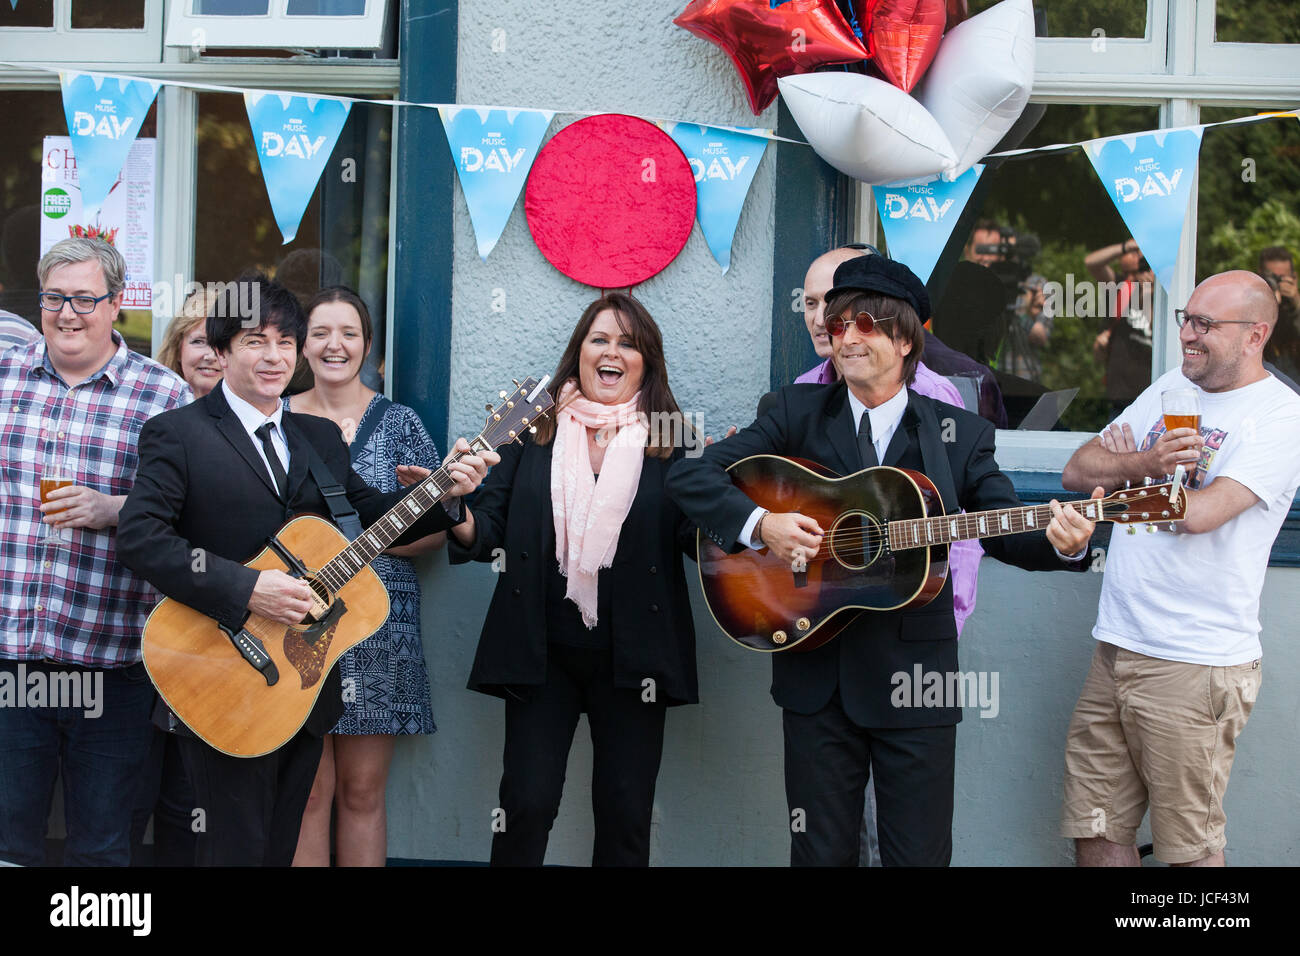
x,y
273,459
866,448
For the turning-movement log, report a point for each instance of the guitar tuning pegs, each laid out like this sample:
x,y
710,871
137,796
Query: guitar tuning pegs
x,y
502,393
532,431
515,381
489,406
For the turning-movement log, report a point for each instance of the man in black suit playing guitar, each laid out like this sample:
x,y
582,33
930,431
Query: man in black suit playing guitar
x,y
840,722
216,479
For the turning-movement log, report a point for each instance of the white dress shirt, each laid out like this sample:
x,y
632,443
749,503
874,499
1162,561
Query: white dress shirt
x,y
252,420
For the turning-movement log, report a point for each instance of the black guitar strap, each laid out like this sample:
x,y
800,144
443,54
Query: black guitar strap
x,y
336,499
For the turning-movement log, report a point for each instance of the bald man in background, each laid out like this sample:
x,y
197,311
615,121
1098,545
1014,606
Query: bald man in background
x,y
1177,663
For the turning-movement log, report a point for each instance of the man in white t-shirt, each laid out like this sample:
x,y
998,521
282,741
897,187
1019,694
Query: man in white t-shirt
x,y
1177,663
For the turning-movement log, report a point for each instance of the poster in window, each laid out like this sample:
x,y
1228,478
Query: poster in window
x,y
125,219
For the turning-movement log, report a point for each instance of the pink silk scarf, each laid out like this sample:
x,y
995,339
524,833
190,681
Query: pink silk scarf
x,y
589,513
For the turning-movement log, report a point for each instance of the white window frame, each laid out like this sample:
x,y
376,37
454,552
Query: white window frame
x,y
1222,59
1107,54
61,43
276,29
1192,72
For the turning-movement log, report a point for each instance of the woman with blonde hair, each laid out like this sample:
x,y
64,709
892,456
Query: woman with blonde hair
x,y
185,344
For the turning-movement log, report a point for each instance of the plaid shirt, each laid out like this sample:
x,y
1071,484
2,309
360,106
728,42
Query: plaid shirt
x,y
74,604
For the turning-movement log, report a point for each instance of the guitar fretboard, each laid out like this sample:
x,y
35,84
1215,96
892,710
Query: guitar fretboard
x,y
943,529
391,526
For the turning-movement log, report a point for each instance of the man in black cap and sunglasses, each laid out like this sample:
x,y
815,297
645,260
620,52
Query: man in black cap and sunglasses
x,y
843,719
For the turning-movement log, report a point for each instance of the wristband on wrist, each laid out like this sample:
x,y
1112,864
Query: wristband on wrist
x,y
758,528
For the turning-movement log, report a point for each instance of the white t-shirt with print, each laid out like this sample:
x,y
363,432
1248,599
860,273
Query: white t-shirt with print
x,y
1195,597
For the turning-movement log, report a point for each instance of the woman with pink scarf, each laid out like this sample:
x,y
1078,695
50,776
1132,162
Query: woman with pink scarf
x,y
590,612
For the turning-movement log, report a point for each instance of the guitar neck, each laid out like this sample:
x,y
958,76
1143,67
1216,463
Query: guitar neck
x,y
392,525
944,529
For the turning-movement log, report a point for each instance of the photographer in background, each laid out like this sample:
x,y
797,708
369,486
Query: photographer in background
x,y
1028,324
1124,345
1283,348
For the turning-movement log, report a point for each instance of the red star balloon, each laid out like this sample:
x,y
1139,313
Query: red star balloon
x,y
765,43
903,36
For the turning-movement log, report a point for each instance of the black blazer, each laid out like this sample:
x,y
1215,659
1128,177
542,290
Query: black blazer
x,y
816,422
201,484
652,630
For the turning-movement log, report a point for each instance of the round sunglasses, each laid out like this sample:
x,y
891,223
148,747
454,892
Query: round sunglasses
x,y
865,321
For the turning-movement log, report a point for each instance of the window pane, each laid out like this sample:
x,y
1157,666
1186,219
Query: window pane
x,y
28,13
1080,18
1256,21
29,118
326,8
1247,201
343,237
1036,312
231,8
108,14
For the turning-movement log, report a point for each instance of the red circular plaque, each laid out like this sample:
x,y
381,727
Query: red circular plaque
x,y
610,201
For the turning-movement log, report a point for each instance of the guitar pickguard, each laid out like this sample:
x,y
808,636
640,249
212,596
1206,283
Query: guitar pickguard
x,y
308,648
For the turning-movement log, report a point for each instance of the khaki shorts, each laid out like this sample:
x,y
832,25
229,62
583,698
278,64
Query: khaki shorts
x,y
1160,733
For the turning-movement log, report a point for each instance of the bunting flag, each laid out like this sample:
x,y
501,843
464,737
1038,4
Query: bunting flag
x,y
918,219
294,136
724,162
1149,178
104,115
493,150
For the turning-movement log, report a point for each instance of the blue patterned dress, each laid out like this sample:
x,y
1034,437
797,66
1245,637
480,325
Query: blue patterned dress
x,y
386,671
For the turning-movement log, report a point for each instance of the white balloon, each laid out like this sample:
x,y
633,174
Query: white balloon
x,y
867,128
979,82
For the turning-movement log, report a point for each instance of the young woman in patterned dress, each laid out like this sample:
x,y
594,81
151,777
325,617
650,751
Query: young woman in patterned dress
x,y
386,685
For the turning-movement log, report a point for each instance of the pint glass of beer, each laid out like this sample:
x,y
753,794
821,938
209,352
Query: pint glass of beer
x,y
1182,409
56,472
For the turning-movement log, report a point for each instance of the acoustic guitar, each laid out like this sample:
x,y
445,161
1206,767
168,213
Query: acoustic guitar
x,y
884,547
247,692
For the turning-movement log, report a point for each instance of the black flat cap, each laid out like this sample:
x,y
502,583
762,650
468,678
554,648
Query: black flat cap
x,y
886,276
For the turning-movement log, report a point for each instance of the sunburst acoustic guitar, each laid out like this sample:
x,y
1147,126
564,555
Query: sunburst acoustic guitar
x,y
247,692
884,547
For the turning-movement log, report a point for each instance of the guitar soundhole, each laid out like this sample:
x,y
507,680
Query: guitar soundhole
x,y
856,539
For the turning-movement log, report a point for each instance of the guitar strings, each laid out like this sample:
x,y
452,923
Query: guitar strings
x,y
330,577
875,533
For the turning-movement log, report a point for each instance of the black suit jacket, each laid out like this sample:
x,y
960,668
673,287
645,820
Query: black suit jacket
x,y
652,629
202,485
816,422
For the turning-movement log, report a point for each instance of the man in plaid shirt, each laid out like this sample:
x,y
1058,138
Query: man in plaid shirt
x,y
71,616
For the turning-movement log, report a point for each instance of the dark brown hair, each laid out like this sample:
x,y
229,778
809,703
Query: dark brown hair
x,y
635,321
341,293
905,327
